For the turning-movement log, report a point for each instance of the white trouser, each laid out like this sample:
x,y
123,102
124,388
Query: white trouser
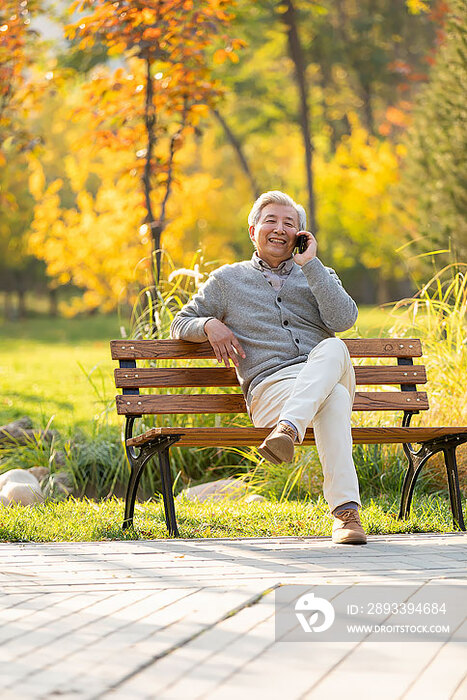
x,y
318,393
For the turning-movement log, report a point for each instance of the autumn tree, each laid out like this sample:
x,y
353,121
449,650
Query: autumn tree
x,y
17,91
151,105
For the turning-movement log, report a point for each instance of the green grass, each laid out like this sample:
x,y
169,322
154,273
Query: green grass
x,y
83,520
62,367
48,368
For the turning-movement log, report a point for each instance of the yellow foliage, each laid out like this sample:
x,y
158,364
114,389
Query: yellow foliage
x,y
415,7
36,179
209,205
193,214
88,222
76,173
95,244
356,209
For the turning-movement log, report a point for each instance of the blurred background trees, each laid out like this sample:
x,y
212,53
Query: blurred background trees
x,y
434,173
157,127
22,84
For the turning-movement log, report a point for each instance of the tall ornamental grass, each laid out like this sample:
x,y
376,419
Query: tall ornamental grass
x,y
437,315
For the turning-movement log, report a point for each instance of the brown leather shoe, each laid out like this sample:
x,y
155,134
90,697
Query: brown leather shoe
x,y
347,528
278,447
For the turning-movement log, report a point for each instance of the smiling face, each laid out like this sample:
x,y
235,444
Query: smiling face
x,y
275,233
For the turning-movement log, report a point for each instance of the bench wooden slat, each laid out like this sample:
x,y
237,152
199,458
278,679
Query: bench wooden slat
x,y
182,350
221,376
235,403
238,436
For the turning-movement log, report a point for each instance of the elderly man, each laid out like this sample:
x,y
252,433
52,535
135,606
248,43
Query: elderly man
x,y
275,317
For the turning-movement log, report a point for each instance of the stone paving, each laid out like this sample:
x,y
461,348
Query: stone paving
x,y
195,619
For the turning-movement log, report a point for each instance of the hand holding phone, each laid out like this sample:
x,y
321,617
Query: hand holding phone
x,y
306,247
302,243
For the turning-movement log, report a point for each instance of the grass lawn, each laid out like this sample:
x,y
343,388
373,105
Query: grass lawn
x,y
62,367
48,368
83,520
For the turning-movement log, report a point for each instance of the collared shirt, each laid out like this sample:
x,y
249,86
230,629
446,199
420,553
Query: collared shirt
x,y
276,276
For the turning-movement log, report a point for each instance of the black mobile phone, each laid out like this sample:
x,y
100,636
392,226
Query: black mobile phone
x,y
302,242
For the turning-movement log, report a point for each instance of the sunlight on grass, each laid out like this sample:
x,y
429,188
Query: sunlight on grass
x,y
83,520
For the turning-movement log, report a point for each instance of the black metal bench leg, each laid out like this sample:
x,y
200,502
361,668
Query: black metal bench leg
x,y
137,467
407,491
416,462
169,505
410,490
453,483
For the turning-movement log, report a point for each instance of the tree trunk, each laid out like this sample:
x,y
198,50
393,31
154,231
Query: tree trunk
x,y
237,146
149,121
7,310
21,303
382,292
296,54
53,302
368,109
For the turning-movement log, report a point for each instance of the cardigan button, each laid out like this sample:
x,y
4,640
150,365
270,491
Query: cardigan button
x,y
286,323
279,299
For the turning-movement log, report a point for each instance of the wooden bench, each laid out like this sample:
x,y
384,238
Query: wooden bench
x,y
157,441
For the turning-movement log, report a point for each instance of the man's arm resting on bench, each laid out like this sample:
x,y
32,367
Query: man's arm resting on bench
x,y
206,304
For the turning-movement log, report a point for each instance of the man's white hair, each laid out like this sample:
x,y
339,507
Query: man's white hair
x,y
276,197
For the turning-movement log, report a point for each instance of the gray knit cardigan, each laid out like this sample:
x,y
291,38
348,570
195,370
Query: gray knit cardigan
x,y
275,329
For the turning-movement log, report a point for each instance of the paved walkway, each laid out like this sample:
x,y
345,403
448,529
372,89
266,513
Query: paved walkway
x,y
195,619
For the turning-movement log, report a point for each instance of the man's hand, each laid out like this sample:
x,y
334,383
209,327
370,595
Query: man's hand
x,y
223,342
311,250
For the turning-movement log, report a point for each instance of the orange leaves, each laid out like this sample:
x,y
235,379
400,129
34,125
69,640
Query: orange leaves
x,y
219,56
173,37
177,25
401,67
396,116
21,84
222,54
152,34
148,16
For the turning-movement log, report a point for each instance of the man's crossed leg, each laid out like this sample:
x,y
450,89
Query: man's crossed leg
x,y
318,393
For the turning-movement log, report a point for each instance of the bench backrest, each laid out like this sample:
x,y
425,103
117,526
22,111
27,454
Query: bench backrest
x,y
131,378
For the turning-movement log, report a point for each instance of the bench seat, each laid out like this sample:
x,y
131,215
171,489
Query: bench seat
x,y
250,437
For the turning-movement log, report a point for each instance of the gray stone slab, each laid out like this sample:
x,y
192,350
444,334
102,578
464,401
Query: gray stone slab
x,y
114,618
444,674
